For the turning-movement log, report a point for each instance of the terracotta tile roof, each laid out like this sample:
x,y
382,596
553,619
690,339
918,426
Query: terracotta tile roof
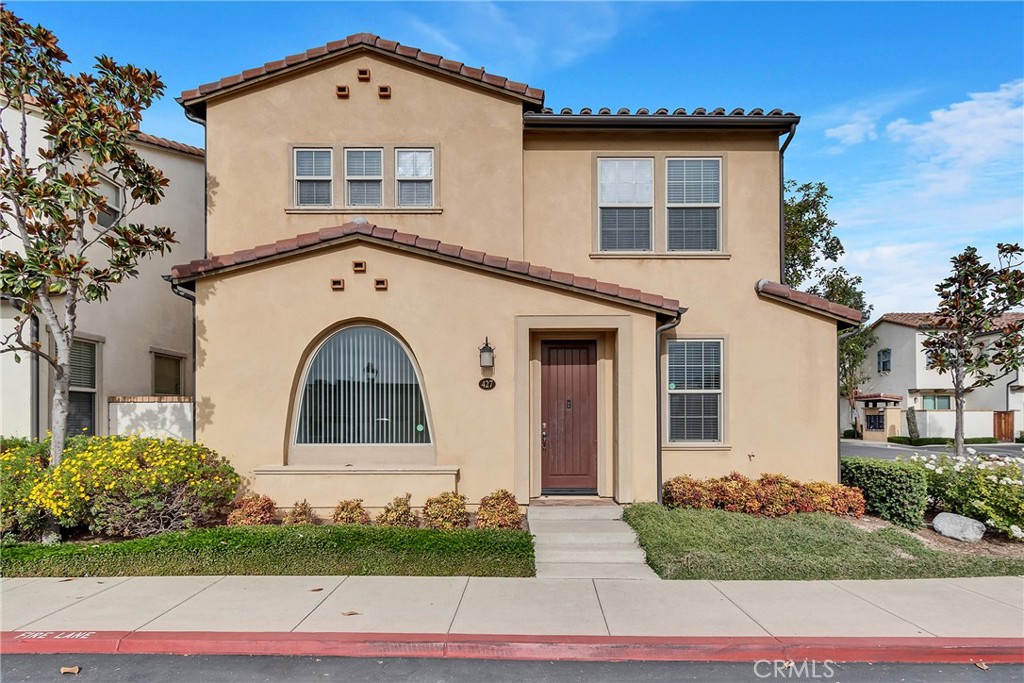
x,y
587,118
169,144
844,314
367,41
926,321
643,111
890,398
427,247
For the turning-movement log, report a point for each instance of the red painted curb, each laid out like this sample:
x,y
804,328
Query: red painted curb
x,y
521,647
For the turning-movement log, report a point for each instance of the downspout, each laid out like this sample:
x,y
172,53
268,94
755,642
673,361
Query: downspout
x,y
35,416
782,204
184,294
657,377
206,177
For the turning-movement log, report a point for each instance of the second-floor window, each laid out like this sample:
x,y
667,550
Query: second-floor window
x,y
313,177
625,203
115,204
885,360
414,177
694,199
364,177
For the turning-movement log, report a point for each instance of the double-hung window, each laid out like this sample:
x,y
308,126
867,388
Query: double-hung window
x,y
82,395
694,198
166,374
112,192
885,360
626,203
364,177
695,390
313,177
414,177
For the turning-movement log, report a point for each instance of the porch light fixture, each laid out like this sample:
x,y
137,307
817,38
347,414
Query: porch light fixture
x,y
486,355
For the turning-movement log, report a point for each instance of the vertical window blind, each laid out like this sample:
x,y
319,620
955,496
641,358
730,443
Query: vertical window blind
x,y
82,404
313,177
693,195
361,388
694,390
414,171
364,176
625,202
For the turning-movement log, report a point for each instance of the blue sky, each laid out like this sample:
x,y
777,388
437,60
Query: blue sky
x,y
913,113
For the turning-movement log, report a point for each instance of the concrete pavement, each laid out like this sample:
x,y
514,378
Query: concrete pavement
x,y
518,618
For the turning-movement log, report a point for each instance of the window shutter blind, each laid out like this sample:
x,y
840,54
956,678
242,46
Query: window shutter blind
x,y
694,181
364,192
414,193
693,229
83,364
81,413
625,229
363,163
313,163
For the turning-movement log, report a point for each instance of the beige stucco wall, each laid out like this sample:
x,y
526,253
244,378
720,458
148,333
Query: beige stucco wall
x,y
478,163
257,325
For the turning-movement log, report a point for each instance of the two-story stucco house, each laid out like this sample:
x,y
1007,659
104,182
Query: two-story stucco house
x,y
420,279
131,363
898,377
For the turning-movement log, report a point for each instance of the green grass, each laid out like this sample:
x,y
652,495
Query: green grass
x,y
303,550
713,544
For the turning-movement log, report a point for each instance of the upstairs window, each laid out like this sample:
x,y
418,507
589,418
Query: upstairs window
x,y
166,375
115,203
885,360
695,390
313,177
694,201
364,177
936,402
362,388
625,202
414,176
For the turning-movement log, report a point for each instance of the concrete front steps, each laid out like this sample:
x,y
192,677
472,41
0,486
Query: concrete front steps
x,y
585,541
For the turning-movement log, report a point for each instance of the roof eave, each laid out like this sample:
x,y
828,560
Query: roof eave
x,y
599,122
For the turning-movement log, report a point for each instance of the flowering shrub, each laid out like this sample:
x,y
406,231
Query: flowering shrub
x,y
988,488
22,464
301,513
134,486
446,511
398,513
895,491
772,495
252,510
350,512
499,510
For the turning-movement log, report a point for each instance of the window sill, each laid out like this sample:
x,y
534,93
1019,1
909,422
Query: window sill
x,y
696,447
698,255
371,210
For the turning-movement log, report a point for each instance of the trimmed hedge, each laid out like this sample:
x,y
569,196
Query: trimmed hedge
x,y
850,434
939,440
904,440
895,491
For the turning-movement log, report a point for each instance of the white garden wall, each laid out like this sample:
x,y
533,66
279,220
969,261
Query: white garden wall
x,y
156,416
941,423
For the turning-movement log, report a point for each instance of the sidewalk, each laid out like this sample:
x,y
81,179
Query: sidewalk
x,y
925,620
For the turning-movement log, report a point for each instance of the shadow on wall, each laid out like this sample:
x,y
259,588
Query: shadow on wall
x,y
159,420
212,185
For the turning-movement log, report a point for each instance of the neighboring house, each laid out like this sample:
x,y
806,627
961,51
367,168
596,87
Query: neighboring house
x,y
419,279
898,377
131,363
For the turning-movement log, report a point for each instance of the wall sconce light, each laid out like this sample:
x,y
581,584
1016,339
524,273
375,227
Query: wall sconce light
x,y
486,355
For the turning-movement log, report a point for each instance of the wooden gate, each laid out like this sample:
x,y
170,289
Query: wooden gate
x,y
1002,427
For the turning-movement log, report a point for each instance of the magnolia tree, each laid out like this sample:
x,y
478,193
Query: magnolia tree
x,y
62,244
974,341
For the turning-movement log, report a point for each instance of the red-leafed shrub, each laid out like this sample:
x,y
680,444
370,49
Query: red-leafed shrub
x,y
252,510
446,511
301,513
499,510
350,512
399,513
771,495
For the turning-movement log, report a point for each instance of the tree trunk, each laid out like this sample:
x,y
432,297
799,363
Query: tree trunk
x,y
59,405
958,399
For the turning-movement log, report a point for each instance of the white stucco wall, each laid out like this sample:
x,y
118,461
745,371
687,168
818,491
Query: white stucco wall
x,y
941,423
165,419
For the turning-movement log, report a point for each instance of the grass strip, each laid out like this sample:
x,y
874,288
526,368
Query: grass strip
x,y
276,550
714,544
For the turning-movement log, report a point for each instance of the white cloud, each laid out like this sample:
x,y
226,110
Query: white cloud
x,y
857,122
861,127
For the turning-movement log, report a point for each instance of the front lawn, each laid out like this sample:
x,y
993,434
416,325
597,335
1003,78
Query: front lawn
x,y
714,544
296,550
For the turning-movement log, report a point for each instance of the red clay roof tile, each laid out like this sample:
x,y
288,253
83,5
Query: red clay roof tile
x,y
194,269
844,314
174,145
453,67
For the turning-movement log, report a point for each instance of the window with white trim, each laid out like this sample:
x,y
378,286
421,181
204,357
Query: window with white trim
x,y
114,195
625,199
82,395
361,387
313,177
364,177
694,198
414,177
695,390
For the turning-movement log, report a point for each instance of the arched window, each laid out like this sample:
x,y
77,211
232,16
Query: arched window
x,y
361,388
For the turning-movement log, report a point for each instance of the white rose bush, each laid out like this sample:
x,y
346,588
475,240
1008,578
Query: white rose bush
x,y
988,488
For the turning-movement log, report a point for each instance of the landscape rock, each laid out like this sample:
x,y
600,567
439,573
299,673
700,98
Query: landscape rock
x,y
959,527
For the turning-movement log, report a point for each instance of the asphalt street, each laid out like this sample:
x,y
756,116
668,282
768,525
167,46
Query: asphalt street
x,y
221,669
890,451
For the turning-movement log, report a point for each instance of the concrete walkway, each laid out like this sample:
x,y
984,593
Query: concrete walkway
x,y
301,614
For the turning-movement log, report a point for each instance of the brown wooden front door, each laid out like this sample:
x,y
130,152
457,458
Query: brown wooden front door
x,y
1002,427
568,395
